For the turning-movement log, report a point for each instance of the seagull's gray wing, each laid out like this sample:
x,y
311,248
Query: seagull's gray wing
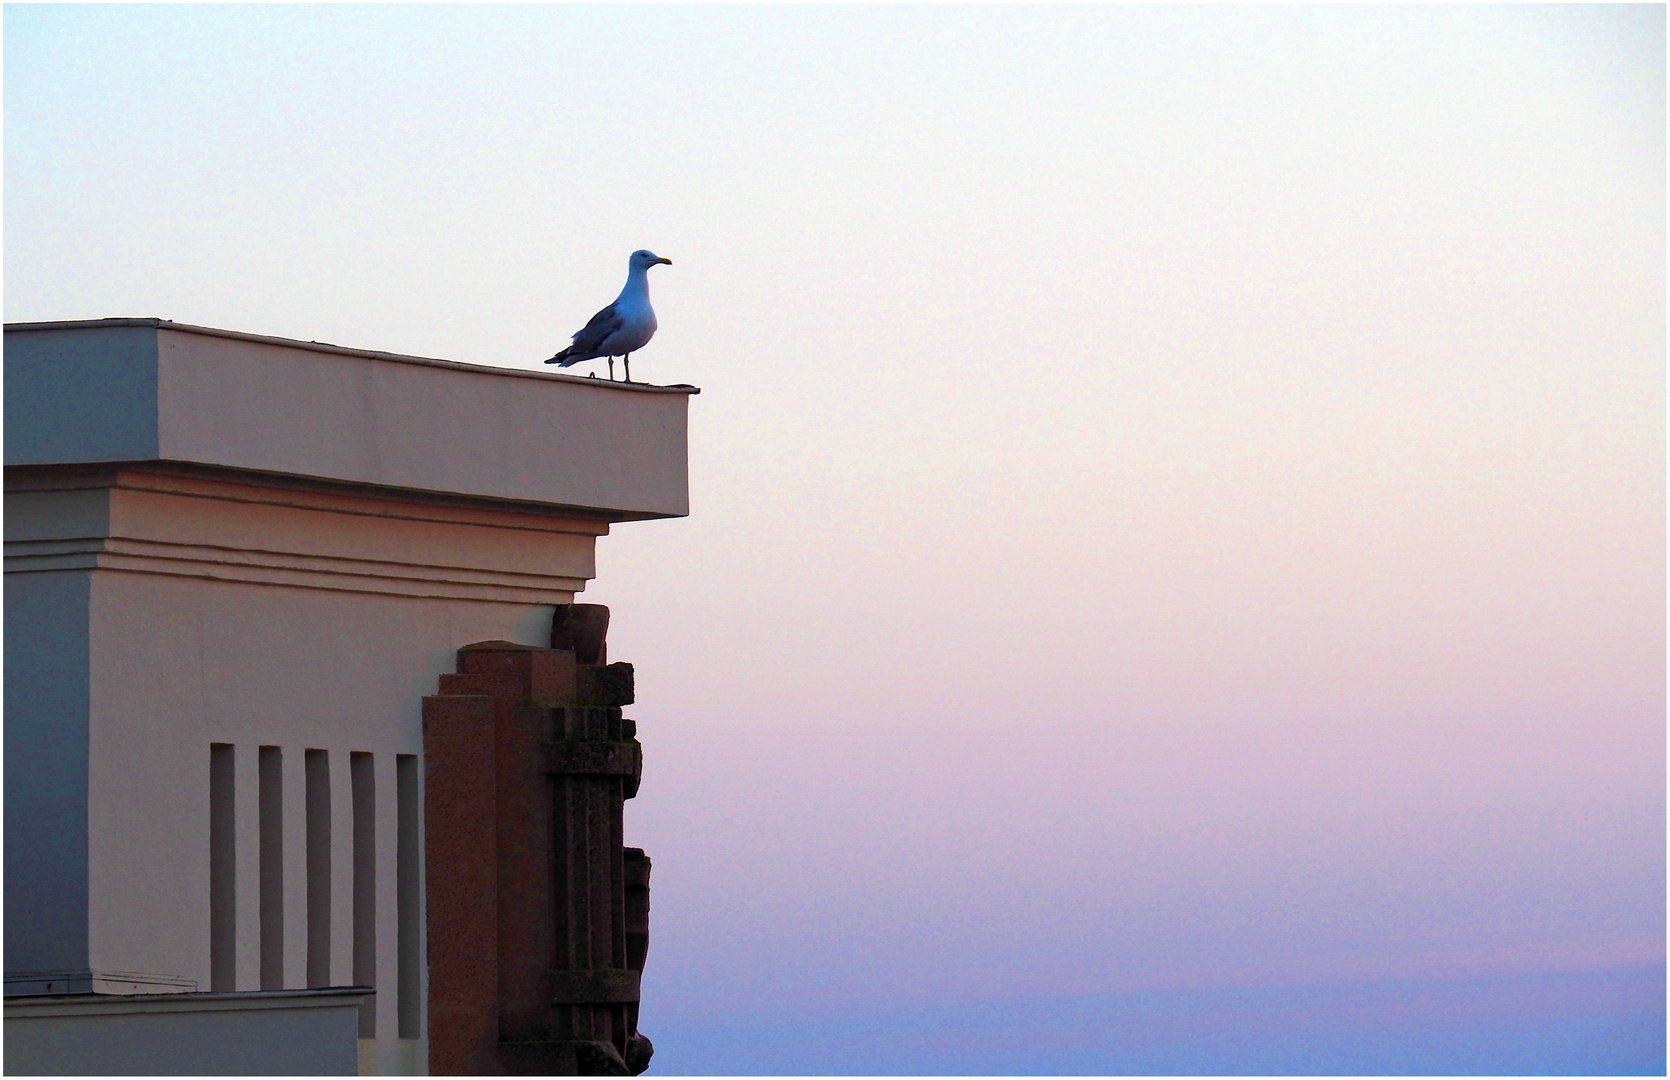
x,y
590,338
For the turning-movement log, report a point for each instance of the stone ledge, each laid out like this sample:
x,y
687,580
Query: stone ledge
x,y
146,391
330,997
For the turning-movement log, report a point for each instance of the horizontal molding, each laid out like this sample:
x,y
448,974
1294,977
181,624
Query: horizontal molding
x,y
331,997
577,757
284,560
595,986
297,571
273,489
145,523
380,504
87,981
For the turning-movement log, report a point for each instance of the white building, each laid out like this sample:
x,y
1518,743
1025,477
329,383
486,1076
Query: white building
x,y
234,567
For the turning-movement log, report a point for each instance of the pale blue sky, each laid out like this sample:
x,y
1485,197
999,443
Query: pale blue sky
x,y
1177,493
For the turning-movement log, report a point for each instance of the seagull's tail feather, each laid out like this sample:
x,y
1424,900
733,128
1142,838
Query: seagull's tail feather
x,y
564,359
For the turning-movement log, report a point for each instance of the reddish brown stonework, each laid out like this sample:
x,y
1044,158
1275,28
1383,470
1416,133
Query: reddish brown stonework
x,y
463,879
538,916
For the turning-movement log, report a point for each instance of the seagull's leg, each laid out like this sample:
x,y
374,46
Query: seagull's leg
x,y
611,369
627,360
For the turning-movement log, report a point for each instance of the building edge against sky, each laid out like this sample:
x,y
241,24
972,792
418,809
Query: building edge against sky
x,y
235,565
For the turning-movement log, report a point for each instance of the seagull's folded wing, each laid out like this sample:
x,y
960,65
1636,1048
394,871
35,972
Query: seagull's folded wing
x,y
590,339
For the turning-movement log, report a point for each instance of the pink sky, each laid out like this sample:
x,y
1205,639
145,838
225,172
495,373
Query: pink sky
x,y
1177,493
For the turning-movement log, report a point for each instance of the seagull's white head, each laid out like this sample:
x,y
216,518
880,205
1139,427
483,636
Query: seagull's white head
x,y
643,260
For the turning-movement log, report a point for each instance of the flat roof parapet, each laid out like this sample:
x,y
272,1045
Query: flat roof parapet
x,y
150,390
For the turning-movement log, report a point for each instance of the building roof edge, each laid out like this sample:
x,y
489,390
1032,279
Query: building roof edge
x,y
342,350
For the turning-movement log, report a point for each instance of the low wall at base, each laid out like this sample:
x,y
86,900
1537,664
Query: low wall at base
x,y
270,1033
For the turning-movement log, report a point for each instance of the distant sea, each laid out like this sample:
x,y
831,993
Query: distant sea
x,y
1591,1023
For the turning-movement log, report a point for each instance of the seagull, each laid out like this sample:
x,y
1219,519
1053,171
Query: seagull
x,y
623,327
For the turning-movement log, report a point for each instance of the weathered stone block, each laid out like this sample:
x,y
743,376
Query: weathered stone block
x,y
610,686
581,629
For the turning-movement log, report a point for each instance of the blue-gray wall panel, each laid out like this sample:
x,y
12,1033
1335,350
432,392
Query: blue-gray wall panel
x,y
47,700
81,395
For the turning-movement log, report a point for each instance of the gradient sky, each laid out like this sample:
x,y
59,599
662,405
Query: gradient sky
x,y
1176,573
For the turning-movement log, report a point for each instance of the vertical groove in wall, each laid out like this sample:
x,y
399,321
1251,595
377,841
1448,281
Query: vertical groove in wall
x,y
617,887
270,810
223,874
361,779
317,765
408,954
562,921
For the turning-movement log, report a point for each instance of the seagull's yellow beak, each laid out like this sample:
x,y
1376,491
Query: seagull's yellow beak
x,y
669,262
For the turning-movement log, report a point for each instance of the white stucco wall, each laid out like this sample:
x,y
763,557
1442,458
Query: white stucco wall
x,y
252,665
